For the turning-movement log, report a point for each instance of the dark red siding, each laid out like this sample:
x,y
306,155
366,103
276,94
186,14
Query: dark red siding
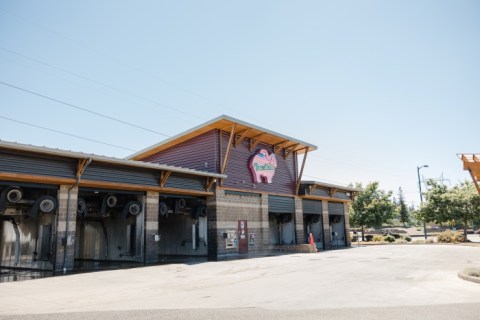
x,y
209,148
192,154
240,177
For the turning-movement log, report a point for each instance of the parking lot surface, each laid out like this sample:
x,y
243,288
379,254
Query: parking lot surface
x,y
370,281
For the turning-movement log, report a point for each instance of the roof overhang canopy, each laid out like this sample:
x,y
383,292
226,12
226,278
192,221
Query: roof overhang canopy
x,y
471,163
242,131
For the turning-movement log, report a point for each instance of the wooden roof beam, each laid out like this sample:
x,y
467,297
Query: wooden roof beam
x,y
240,137
289,150
254,141
279,146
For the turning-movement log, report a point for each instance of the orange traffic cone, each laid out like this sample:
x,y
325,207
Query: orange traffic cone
x,y
312,243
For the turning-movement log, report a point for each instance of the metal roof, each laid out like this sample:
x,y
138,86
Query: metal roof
x,y
242,129
79,155
329,185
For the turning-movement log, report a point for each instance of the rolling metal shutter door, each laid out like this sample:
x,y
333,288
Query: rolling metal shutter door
x,y
312,206
281,204
335,208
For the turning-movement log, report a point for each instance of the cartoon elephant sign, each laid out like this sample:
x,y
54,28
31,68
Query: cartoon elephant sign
x,y
263,166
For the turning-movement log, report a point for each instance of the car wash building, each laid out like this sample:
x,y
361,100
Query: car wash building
x,y
262,206
223,190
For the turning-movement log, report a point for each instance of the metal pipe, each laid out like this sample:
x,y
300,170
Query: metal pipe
x,y
79,175
17,242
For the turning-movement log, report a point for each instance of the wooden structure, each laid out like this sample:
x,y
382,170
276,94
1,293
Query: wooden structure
x,y
471,163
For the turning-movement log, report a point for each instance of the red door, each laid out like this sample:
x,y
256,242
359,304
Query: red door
x,y
242,236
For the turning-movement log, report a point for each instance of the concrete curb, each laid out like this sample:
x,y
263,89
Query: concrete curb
x,y
466,277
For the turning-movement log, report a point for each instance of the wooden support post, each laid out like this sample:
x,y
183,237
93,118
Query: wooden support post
x,y
301,171
240,137
332,192
474,180
210,182
82,163
164,177
229,149
290,150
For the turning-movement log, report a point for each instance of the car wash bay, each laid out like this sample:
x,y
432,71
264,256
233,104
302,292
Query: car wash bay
x,y
114,211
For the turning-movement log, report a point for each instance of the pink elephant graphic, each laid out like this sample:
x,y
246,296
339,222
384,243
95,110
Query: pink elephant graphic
x,y
263,166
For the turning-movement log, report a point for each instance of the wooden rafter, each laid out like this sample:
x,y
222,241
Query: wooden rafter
x,y
299,179
239,138
210,182
475,166
164,177
254,141
289,150
279,146
229,149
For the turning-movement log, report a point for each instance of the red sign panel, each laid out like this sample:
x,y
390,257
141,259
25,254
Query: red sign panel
x,y
242,236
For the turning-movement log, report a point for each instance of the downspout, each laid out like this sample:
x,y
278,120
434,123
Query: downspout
x,y
79,175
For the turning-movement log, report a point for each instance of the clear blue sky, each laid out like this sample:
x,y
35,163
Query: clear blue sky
x,y
379,86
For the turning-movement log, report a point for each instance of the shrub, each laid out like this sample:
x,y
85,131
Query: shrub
x,y
401,241
407,238
378,238
450,237
389,238
368,237
396,235
354,238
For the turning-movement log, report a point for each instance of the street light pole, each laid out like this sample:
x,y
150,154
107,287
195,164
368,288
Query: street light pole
x,y
421,196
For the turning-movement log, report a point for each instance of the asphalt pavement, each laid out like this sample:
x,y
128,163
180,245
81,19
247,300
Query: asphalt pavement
x,y
370,282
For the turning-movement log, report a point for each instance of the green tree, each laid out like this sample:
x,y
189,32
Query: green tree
x,y
371,207
436,207
403,212
465,204
460,203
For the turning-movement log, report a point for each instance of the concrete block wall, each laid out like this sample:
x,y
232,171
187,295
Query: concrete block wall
x,y
230,208
213,237
151,226
348,236
299,225
326,226
65,239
